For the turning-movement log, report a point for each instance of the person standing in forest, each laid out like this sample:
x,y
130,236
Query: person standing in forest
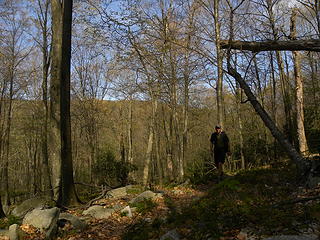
x,y
219,148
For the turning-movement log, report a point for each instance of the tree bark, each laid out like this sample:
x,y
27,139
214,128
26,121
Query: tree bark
x,y
43,18
219,85
240,130
130,139
2,214
5,179
61,151
148,160
273,102
303,146
293,45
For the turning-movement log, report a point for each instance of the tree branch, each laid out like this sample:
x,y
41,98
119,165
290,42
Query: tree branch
x,y
292,45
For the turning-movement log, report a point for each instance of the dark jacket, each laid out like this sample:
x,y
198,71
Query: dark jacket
x,y
225,140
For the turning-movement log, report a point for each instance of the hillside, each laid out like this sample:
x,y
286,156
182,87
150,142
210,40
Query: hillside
x,y
252,204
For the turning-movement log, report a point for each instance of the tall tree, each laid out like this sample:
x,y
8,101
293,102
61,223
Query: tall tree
x,y
60,136
42,14
303,146
219,85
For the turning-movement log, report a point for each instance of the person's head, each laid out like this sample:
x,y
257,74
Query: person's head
x,y
218,129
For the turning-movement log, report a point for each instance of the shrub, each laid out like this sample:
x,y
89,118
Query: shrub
x,y
202,167
109,170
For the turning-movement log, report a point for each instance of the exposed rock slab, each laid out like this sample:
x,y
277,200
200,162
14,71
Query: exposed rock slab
x,y
144,196
30,204
42,219
15,233
117,193
99,212
75,221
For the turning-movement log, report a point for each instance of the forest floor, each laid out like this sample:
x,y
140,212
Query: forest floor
x,y
260,203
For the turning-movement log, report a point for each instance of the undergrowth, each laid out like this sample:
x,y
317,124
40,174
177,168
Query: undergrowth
x,y
5,223
257,199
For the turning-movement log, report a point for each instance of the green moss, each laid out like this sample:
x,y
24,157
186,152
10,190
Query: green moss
x,y
5,223
144,206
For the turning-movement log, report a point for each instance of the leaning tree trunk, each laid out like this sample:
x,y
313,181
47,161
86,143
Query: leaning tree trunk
x,y
60,139
300,162
303,146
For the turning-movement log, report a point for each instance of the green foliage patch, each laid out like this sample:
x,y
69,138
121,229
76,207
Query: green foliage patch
x,y
109,170
201,169
144,206
5,223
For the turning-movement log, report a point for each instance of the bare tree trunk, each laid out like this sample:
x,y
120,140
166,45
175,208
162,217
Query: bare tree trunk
x,y
148,160
219,86
130,139
240,129
122,149
273,102
168,174
303,146
184,144
43,18
61,151
157,152
5,179
2,214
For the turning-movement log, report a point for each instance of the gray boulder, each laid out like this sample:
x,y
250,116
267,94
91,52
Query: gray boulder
x,y
99,212
15,233
293,237
45,220
117,193
30,204
75,221
144,196
171,235
127,211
